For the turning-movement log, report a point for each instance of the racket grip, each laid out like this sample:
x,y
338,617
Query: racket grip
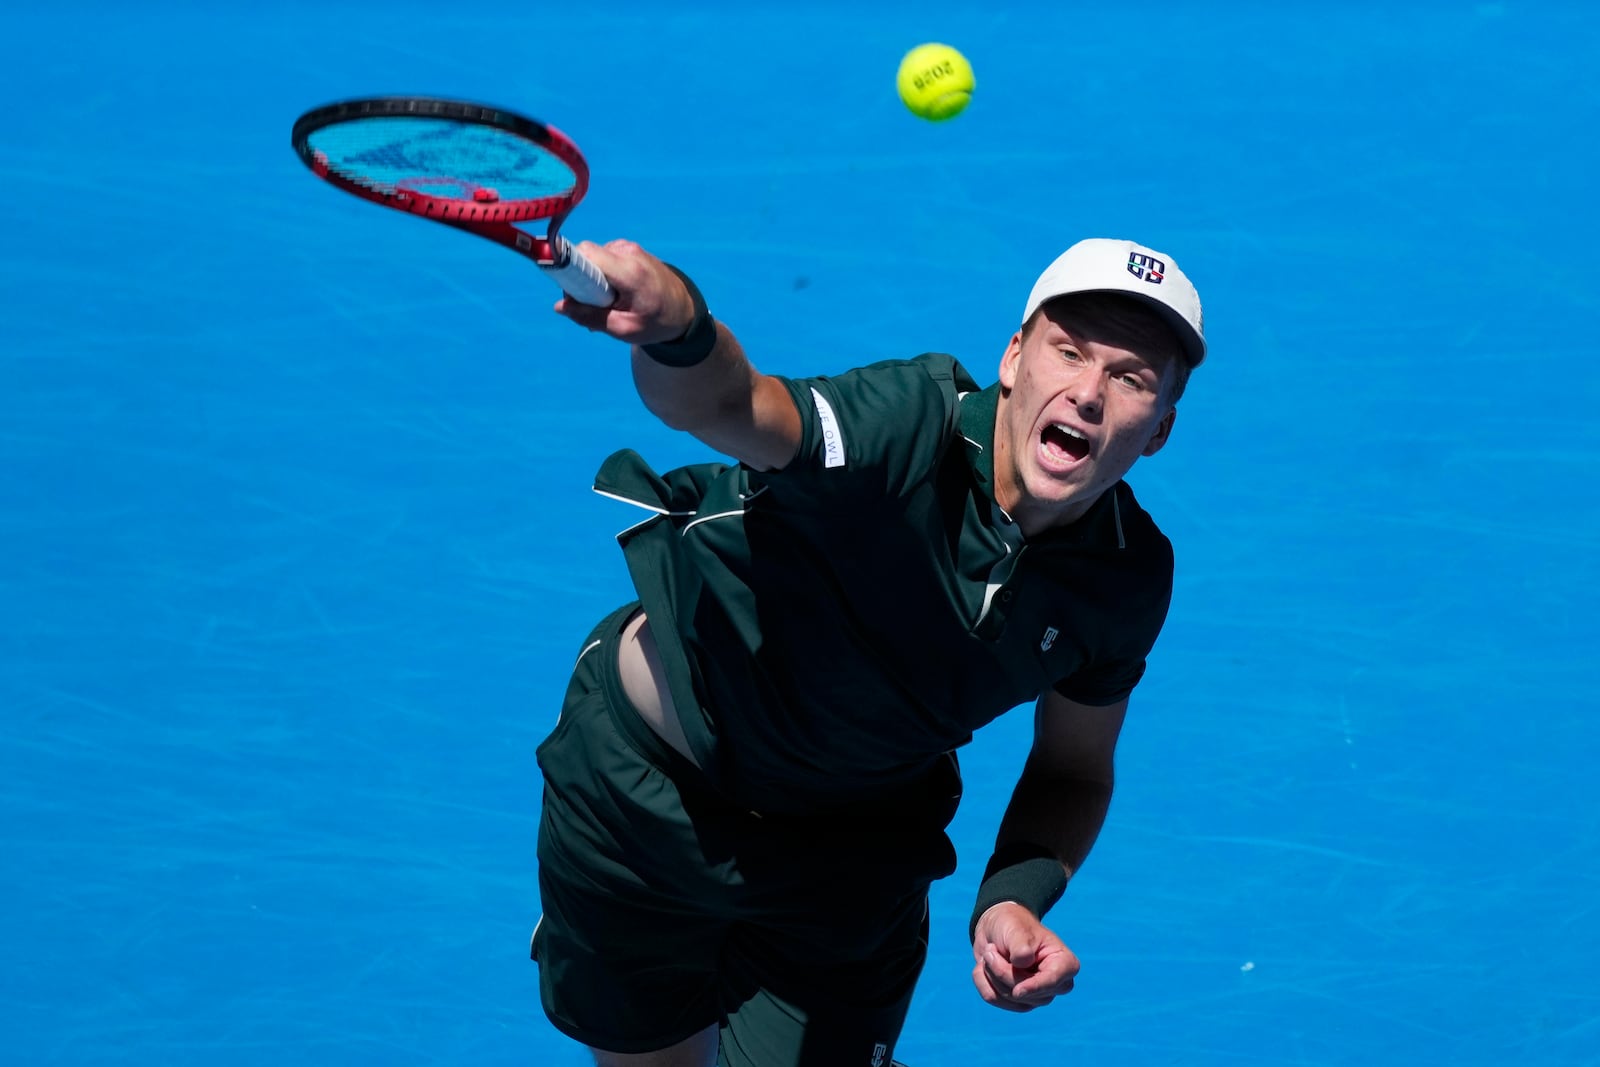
x,y
578,278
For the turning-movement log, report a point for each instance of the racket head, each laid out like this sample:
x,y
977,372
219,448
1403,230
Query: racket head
x,y
467,164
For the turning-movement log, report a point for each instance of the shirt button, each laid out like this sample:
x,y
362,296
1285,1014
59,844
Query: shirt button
x,y
1006,595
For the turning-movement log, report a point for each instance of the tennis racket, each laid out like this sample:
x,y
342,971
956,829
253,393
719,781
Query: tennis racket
x,y
480,169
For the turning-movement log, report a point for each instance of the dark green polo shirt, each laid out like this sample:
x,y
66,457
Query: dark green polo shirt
x,y
832,629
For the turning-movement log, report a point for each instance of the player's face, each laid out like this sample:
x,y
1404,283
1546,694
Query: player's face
x,y
1076,411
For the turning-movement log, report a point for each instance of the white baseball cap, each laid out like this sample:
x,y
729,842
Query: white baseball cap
x,y
1102,265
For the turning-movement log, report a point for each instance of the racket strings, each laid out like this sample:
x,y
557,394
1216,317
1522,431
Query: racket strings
x,y
444,160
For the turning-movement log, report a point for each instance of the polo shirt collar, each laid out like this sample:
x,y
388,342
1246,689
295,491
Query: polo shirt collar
x,y
977,427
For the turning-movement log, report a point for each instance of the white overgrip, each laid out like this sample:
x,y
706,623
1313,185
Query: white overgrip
x,y
578,278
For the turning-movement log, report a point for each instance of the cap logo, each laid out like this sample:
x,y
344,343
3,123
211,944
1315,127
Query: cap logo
x,y
1146,267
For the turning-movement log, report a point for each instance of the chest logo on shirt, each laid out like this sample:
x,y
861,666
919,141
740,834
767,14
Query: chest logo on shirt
x,y
1049,638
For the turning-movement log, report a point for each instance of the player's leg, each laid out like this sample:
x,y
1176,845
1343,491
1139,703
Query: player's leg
x,y
629,943
834,929
697,1051
806,998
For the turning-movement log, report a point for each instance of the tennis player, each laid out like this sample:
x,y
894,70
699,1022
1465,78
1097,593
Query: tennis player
x,y
747,791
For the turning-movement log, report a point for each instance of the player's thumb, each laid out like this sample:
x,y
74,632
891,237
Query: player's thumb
x,y
1022,950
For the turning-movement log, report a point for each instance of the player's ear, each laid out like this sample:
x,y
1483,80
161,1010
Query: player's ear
x,y
1158,440
1008,362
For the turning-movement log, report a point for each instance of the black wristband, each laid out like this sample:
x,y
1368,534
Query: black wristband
x,y
697,341
1023,874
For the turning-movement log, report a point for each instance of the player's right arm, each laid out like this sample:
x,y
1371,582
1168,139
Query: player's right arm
x,y
722,400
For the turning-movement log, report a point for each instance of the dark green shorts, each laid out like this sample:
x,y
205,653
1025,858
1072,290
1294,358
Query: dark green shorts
x,y
668,909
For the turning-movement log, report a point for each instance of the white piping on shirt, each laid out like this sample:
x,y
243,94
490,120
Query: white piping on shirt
x,y
707,518
640,503
590,647
994,586
959,398
696,519
988,596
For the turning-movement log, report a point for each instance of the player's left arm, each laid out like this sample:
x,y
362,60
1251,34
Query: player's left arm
x,y
1056,813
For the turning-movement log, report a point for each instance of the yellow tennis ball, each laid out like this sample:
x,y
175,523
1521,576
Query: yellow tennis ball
x,y
935,81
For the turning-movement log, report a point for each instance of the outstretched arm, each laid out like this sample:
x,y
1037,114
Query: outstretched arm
x,y
1055,814
719,398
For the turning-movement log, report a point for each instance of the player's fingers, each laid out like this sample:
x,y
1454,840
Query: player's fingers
x,y
598,254
1055,976
1002,975
619,261
624,263
642,283
984,983
585,315
1041,989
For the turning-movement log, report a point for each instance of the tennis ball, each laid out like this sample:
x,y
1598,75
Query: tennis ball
x,y
935,81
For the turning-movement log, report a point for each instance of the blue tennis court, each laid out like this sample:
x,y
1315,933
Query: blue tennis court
x,y
297,543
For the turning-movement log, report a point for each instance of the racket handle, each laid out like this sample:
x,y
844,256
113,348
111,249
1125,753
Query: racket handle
x,y
577,277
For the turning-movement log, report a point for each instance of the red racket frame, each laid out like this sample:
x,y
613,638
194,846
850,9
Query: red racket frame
x,y
494,220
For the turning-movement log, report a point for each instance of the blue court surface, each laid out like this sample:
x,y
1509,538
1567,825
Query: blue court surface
x,y
297,543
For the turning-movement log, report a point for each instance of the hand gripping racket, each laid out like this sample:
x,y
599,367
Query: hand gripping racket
x,y
480,169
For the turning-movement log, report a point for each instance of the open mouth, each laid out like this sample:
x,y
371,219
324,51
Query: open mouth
x,y
1065,442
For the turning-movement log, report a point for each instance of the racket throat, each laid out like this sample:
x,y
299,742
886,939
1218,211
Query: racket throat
x,y
544,252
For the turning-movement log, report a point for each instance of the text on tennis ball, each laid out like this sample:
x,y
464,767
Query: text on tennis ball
x,y
931,75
